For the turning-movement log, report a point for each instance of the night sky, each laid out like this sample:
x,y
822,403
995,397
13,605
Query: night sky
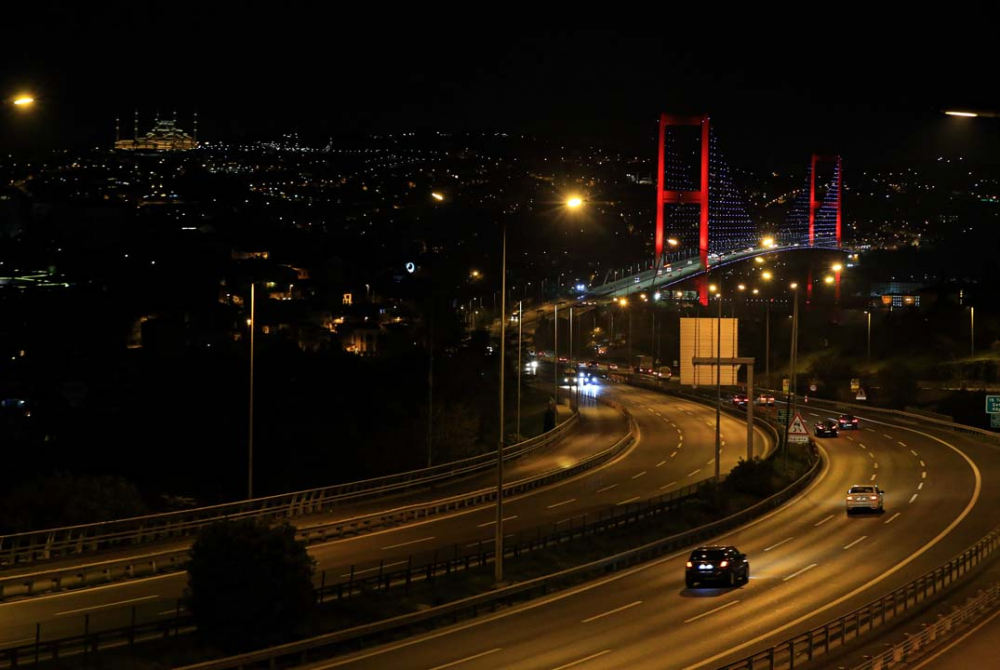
x,y
321,70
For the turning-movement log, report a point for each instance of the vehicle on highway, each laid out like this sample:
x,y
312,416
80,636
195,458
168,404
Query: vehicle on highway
x,y
663,372
848,422
826,428
740,400
865,498
716,563
563,359
644,364
612,366
764,399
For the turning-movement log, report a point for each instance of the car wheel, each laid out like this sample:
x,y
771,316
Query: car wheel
x,y
732,579
746,575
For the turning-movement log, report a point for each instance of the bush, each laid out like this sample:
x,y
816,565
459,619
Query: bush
x,y
62,499
249,585
752,478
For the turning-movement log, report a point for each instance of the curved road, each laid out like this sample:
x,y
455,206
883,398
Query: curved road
x,y
809,561
675,449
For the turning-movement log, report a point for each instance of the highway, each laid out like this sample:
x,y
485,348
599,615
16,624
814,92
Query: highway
x,y
809,563
675,449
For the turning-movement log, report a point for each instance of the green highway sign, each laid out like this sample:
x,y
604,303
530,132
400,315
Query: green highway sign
x,y
993,404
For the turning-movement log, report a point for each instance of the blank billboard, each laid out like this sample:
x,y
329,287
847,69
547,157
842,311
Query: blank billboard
x,y
699,340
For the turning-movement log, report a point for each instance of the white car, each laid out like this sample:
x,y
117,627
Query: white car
x,y
865,497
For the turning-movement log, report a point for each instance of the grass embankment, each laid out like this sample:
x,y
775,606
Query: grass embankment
x,y
746,485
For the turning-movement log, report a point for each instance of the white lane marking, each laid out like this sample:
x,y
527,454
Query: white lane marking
x,y
870,430
931,659
893,517
614,611
902,444
920,486
662,462
863,537
100,607
74,592
387,565
639,475
775,546
710,461
872,454
922,464
681,437
914,453
849,438
813,413
923,475
667,486
973,499
564,502
491,523
14,643
862,446
606,488
914,497
583,660
876,465
889,437
796,574
673,454
625,502
873,478
403,544
721,607
467,658
692,474
822,521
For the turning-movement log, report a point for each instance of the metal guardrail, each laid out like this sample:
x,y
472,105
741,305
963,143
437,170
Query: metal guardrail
x,y
892,606
45,580
299,652
932,635
33,546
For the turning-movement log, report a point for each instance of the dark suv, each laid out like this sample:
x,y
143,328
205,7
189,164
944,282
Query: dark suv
x,y
717,563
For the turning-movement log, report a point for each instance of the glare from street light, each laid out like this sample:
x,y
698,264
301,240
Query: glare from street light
x,y
968,114
767,242
623,302
712,288
794,285
437,196
23,100
837,267
742,287
759,259
672,241
828,279
756,291
766,275
574,202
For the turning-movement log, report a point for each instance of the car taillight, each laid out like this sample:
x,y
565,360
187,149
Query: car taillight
x,y
723,564
690,564
873,497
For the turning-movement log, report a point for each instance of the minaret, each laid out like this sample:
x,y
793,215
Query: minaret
x,y
135,128
195,136
118,133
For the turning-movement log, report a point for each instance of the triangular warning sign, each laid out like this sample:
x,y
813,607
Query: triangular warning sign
x,y
798,426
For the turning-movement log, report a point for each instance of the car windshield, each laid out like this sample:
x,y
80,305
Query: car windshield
x,y
708,555
862,489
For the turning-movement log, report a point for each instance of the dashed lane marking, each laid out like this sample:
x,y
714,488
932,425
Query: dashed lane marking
x,y
614,611
914,497
667,486
692,474
721,607
893,517
583,660
564,502
796,574
607,488
775,546
863,537
822,521
639,475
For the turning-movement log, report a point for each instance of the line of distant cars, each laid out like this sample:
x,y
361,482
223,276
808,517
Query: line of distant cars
x,y
765,399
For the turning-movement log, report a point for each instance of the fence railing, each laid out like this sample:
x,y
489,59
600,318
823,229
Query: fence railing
x,y
43,580
834,634
301,651
931,635
34,546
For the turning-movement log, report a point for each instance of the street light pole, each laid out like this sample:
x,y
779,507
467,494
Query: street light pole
x,y
718,386
972,332
790,403
555,355
498,543
868,348
520,318
253,327
767,345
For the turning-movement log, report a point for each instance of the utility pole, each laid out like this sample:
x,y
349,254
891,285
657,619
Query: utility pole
x,y
498,542
520,318
718,386
253,327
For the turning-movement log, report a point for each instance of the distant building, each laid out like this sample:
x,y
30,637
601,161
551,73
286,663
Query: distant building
x,y
897,294
165,136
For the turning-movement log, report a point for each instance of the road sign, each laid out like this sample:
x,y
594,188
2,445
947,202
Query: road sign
x,y
797,432
994,420
855,385
812,387
784,385
993,404
861,395
782,415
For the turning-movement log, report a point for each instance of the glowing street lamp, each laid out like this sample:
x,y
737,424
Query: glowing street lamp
x,y
766,275
837,267
574,202
672,241
828,279
437,196
767,242
24,101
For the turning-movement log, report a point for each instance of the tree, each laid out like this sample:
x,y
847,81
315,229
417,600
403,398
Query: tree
x,y
249,585
62,499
